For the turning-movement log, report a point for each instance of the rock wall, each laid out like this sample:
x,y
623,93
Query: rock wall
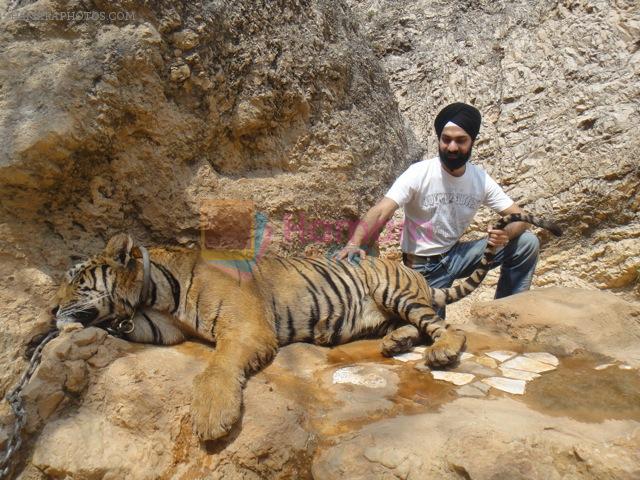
x,y
558,85
131,124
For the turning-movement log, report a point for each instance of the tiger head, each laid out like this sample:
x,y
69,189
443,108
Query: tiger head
x,y
106,286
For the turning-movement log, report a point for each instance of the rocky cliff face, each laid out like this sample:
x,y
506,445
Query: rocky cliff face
x,y
130,116
131,124
133,115
557,83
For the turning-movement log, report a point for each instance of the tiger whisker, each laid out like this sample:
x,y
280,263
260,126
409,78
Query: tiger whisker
x,y
77,307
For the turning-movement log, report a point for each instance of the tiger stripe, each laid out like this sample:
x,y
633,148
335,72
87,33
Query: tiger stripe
x,y
94,281
215,318
276,316
154,293
445,296
103,276
173,283
314,316
292,330
157,334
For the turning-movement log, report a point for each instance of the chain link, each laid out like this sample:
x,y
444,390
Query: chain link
x,y
15,401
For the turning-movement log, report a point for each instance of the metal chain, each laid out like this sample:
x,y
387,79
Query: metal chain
x,y
15,400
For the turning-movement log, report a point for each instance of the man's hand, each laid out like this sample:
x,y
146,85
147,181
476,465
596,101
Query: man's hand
x,y
367,231
351,252
497,238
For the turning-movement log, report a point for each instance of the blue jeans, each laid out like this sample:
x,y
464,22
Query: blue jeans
x,y
517,259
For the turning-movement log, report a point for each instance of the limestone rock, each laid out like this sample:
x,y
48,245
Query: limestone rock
x,y
453,377
65,370
543,357
527,365
134,126
185,39
179,73
518,374
382,418
566,320
509,385
516,443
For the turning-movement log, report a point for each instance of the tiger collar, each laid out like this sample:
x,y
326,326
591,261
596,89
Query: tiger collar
x,y
146,277
123,326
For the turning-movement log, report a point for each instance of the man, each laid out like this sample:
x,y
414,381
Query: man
x,y
440,197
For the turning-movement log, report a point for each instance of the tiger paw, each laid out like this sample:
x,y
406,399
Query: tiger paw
x,y
445,350
215,407
399,341
436,356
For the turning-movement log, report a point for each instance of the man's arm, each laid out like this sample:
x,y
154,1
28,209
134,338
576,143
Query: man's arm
x,y
499,238
368,228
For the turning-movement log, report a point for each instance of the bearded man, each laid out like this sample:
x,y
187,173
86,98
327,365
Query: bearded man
x,y
440,197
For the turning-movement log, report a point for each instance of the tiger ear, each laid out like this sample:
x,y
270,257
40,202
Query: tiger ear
x,y
119,250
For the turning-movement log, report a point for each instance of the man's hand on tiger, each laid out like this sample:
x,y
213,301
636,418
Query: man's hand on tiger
x,y
353,253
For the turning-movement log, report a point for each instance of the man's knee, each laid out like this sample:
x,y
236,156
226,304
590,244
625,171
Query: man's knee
x,y
528,244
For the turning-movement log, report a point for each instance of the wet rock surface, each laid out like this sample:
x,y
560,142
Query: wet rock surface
x,y
567,320
336,413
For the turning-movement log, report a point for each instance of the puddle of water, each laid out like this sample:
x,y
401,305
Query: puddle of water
x,y
358,352
578,391
574,390
417,391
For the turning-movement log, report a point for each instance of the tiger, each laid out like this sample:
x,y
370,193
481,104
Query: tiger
x,y
165,295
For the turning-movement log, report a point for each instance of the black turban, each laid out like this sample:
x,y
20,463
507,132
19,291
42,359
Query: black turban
x,y
465,116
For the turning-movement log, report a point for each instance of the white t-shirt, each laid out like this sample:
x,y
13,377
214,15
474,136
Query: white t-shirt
x,y
439,207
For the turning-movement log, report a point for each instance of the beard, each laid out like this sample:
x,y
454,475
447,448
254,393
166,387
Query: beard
x,y
453,162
